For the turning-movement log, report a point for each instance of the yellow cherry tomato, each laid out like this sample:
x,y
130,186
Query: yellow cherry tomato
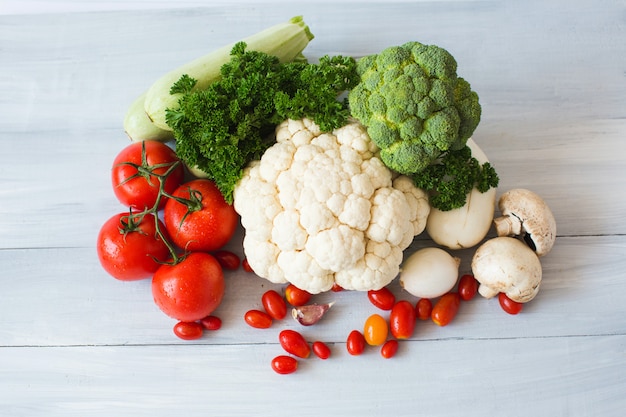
x,y
375,330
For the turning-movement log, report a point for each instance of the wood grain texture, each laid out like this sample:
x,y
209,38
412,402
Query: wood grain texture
x,y
75,342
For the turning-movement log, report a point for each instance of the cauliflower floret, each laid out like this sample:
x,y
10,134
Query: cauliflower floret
x,y
321,208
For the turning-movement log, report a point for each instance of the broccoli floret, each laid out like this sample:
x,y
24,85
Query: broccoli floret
x,y
414,105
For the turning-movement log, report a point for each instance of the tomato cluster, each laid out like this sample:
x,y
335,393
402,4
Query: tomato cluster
x,y
173,232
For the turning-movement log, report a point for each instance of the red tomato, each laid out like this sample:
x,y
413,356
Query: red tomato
x,y
211,323
274,304
283,364
336,288
258,319
375,330
383,298
468,287
402,320
133,183
389,349
355,343
423,308
190,290
321,350
188,330
206,223
293,342
127,250
227,259
295,296
508,305
445,308
246,266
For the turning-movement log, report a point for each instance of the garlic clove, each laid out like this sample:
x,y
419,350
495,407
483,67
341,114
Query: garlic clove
x,y
310,314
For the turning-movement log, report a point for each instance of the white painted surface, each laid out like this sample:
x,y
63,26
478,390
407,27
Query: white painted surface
x,y
75,342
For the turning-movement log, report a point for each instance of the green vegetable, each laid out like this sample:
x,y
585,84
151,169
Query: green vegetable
x,y
285,40
414,105
221,128
453,176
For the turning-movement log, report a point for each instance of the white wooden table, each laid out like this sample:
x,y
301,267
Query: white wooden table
x,y
74,342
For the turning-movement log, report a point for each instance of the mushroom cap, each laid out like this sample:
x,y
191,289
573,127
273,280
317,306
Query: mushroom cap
x,y
525,213
505,264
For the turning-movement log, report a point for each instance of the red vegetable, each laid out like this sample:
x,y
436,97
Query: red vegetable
x,y
445,308
355,343
294,343
295,296
402,320
321,350
258,319
382,298
467,287
389,349
508,305
274,304
284,364
211,323
188,330
423,308
227,259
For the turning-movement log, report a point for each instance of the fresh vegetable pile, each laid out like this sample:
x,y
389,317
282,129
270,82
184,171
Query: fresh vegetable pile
x,y
332,168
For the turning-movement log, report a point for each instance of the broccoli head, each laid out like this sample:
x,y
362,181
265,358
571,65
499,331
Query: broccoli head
x,y
414,105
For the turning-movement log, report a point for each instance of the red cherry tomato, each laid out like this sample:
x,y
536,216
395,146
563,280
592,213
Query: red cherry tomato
x,y
389,349
293,342
274,304
211,323
445,308
258,319
246,266
382,298
402,320
227,259
283,364
206,224
468,287
191,289
321,350
127,250
508,305
188,330
355,343
336,288
133,184
375,330
295,296
423,308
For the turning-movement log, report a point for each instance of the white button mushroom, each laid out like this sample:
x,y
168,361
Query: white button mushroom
x,y
505,264
525,214
429,272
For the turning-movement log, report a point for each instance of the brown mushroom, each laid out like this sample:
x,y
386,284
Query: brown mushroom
x,y
525,214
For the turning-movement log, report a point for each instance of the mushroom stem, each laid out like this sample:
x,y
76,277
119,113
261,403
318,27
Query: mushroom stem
x,y
507,226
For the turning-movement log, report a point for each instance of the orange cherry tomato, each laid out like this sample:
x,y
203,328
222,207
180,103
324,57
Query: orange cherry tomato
x,y
283,364
468,287
423,308
445,308
258,319
402,319
295,296
508,305
355,343
211,323
274,304
293,342
188,330
321,350
382,298
375,330
389,349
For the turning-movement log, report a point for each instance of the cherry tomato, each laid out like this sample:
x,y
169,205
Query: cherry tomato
x,y
355,343
508,305
130,251
191,289
445,308
295,296
321,350
188,330
423,308
133,184
211,323
382,298
205,224
402,319
258,319
336,288
468,287
389,349
274,304
375,330
293,342
283,364
227,259
246,266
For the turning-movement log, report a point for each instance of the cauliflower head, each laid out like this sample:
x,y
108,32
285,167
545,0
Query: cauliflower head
x,y
321,208
414,105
